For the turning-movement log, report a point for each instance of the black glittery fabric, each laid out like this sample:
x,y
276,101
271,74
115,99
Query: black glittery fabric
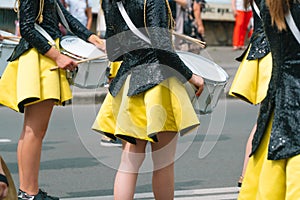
x,y
283,98
32,38
146,63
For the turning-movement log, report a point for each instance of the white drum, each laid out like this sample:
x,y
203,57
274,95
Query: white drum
x,y
90,74
215,80
79,47
6,49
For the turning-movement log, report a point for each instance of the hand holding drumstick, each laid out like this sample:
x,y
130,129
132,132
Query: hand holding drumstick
x,y
65,62
80,61
198,82
62,61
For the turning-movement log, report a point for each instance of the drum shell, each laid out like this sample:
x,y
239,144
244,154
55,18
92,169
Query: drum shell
x,y
91,74
208,100
6,50
215,80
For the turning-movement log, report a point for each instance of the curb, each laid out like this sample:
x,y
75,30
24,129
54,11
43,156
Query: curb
x,y
98,97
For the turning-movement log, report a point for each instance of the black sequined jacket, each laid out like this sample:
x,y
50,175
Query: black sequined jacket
x,y
259,43
147,64
32,38
283,97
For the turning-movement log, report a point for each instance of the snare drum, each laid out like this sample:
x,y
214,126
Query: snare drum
x,y
215,80
80,48
90,74
6,49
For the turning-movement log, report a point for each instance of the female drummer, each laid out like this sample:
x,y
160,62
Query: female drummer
x,y
274,165
252,78
147,101
29,87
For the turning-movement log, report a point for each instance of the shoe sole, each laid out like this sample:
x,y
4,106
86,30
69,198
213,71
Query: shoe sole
x,y
110,144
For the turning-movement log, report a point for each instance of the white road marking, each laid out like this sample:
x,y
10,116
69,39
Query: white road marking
x,y
5,140
227,193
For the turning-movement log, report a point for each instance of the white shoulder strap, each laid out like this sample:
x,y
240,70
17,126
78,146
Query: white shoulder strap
x,y
44,33
256,9
62,17
291,23
131,26
289,19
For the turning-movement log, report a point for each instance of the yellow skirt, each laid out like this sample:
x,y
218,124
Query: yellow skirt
x,y
270,179
114,67
29,80
165,107
252,79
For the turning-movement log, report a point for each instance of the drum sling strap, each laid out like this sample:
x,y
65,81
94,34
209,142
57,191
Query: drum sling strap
x,y
131,26
63,20
141,35
289,20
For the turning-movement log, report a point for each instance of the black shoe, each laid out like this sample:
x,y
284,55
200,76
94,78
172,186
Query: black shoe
x,y
45,196
240,181
239,184
39,196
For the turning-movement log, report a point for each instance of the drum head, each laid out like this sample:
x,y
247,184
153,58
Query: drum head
x,y
203,67
79,47
5,41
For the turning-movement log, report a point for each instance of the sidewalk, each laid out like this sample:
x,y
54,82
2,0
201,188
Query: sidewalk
x,y
224,56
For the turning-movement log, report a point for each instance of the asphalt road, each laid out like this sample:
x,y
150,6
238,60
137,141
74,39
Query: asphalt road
x,y
75,165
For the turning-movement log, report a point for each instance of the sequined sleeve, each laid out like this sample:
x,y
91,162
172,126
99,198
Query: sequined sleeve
x,y
28,12
76,27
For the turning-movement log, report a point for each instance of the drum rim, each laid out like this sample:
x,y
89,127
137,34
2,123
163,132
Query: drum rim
x,y
210,61
68,51
8,43
216,82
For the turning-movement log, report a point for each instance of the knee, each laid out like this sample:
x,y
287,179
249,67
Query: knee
x,y
131,162
162,160
33,133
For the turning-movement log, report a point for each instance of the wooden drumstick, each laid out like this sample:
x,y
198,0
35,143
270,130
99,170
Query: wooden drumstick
x,y
13,37
82,61
200,42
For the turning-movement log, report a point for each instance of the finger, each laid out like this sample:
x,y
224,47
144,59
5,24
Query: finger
x,y
74,64
199,91
71,68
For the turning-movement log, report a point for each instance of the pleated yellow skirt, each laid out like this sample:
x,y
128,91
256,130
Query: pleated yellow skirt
x,y
165,107
270,179
114,67
252,79
29,80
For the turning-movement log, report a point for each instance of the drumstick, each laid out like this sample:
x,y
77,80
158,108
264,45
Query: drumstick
x,y
83,60
11,37
201,43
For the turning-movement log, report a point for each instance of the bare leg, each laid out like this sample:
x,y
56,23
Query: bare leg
x,y
126,177
163,153
247,153
36,119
